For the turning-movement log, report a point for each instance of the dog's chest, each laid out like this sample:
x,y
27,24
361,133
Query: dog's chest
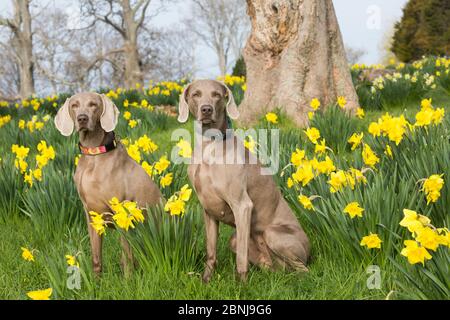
x,y
93,183
202,178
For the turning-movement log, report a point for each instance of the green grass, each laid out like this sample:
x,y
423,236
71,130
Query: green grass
x,y
328,278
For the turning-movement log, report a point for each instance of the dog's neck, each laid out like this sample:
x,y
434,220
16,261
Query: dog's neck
x,y
223,127
95,138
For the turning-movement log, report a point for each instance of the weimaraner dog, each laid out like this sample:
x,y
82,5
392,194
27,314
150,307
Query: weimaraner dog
x,y
105,170
267,232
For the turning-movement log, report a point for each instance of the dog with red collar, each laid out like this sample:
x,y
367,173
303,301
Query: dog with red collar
x,y
105,170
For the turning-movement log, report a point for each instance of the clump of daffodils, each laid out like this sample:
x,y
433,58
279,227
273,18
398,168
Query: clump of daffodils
x,y
176,205
388,126
125,213
4,120
428,115
426,237
34,124
45,154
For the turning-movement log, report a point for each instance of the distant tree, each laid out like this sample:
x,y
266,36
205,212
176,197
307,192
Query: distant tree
x,y
21,43
127,18
222,25
424,29
354,55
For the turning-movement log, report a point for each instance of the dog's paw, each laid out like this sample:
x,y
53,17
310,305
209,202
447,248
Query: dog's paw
x,y
206,276
243,276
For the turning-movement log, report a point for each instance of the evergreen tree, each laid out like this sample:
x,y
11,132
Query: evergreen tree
x,y
424,29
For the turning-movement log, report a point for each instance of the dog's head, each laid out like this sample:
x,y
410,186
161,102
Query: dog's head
x,y
86,112
209,101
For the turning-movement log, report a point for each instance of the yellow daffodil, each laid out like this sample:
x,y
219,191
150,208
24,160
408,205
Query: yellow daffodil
x,y
353,209
97,222
127,115
415,253
337,181
388,151
166,180
413,221
132,123
360,113
315,104
375,129
148,168
185,193
297,157
71,260
306,202
134,153
304,174
372,241
27,255
313,134
369,157
175,206
290,183
320,148
146,144
428,238
250,144
21,152
432,187
185,149
426,104
341,102
272,117
40,294
356,140
162,164
28,178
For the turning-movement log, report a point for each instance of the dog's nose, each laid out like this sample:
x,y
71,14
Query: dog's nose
x,y
82,119
206,110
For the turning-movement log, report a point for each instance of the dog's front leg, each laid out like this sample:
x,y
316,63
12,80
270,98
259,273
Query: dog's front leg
x,y
242,214
96,246
212,233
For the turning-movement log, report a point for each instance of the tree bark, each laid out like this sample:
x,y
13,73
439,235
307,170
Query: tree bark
x,y
133,70
20,27
295,53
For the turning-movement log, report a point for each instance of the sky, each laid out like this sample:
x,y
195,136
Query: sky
x,y
363,24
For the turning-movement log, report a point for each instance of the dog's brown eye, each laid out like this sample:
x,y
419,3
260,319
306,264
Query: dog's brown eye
x,y
196,95
74,106
216,95
92,105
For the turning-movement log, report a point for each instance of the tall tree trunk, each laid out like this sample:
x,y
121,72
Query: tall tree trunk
x,y
22,40
133,70
295,53
222,60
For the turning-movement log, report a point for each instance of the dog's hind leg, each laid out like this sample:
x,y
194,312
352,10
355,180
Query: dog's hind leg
x,y
258,253
289,245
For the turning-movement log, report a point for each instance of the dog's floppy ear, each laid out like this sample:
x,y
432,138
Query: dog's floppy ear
x,y
110,114
183,107
63,121
232,110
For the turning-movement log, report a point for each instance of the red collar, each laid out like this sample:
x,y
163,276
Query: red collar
x,y
93,151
